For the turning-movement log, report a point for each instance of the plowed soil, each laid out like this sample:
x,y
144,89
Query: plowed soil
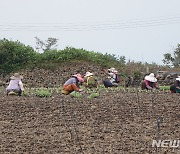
x,y
113,123
57,75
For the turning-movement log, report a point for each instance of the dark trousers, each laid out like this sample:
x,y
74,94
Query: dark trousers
x,y
173,89
107,83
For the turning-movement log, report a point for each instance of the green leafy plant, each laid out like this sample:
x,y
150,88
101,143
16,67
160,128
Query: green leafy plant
x,y
75,94
43,93
164,88
93,95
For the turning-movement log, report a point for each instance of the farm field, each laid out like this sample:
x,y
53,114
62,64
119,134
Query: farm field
x,y
116,122
123,119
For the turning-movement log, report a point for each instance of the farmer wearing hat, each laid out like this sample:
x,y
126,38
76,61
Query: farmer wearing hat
x,y
112,78
72,84
15,85
149,82
176,87
89,80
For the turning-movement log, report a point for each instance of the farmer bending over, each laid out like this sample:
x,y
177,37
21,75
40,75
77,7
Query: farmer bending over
x,y
15,85
149,82
72,84
112,80
176,87
90,80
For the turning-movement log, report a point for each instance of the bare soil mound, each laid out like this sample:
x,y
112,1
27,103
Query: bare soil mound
x,y
55,75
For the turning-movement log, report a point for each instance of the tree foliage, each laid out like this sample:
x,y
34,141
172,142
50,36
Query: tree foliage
x,y
69,54
173,59
15,55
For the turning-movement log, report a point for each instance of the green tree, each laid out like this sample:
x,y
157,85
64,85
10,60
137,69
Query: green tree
x,y
15,55
167,59
174,59
122,59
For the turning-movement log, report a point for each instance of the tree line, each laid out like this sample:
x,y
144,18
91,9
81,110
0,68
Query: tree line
x,y
14,56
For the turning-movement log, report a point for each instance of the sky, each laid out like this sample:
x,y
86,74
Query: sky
x,y
140,30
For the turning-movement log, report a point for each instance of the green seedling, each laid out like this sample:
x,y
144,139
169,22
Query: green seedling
x,y
93,95
43,93
164,88
75,94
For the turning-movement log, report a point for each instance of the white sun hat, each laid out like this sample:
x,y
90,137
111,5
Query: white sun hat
x,y
113,70
178,78
150,77
88,74
16,76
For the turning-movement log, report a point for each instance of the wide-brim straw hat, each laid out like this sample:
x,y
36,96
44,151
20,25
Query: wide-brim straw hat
x,y
79,77
88,74
178,78
16,76
112,70
151,77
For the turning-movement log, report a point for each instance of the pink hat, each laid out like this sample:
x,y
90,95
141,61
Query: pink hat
x,y
79,77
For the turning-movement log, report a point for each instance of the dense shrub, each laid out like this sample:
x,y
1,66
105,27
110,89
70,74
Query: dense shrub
x,y
15,55
69,54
